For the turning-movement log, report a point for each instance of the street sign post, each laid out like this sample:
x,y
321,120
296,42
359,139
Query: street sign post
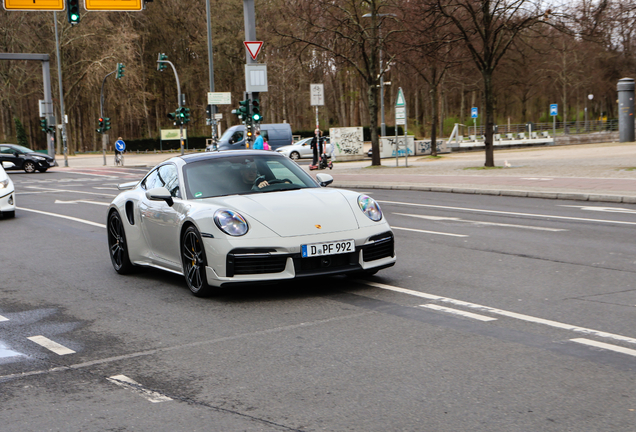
x,y
32,5
256,77
400,119
554,111
474,113
120,145
253,48
317,98
113,5
220,98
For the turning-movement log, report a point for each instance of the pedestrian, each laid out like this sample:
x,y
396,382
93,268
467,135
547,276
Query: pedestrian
x,y
316,146
119,156
258,143
266,144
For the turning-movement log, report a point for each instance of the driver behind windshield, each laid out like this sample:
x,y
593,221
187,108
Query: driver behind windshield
x,y
249,175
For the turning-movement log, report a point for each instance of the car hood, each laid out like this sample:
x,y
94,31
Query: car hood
x,y
288,147
298,212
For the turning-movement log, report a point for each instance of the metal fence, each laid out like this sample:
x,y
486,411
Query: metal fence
x,y
562,128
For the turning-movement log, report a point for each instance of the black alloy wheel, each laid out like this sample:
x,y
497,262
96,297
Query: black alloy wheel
x,y
294,155
29,167
194,263
117,244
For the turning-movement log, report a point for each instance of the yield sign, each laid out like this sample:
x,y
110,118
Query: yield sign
x,y
254,48
399,102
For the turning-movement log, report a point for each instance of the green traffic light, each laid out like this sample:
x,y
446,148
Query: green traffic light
x,y
256,117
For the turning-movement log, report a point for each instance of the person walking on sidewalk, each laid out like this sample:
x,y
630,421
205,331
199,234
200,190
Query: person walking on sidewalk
x,y
316,146
258,143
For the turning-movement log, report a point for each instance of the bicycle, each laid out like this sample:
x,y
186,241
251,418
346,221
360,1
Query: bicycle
x,y
119,159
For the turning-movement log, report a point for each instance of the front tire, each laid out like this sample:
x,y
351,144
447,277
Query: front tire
x,y
194,263
117,244
8,214
29,167
294,155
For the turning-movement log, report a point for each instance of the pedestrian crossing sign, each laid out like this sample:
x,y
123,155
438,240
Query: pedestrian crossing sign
x,y
399,102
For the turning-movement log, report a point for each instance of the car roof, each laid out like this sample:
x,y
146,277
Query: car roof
x,y
195,157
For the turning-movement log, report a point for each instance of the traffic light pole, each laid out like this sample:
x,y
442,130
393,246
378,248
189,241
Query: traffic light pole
x,y
211,72
59,76
176,76
249,19
101,115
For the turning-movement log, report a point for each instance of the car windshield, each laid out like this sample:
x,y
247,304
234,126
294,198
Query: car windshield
x,y
22,149
226,136
238,175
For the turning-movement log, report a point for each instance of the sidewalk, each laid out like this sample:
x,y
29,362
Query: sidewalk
x,y
590,172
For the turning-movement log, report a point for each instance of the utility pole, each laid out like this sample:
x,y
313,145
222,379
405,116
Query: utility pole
x,y
59,76
163,59
249,18
211,72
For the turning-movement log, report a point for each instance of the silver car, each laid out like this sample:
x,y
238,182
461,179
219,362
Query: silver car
x,y
302,149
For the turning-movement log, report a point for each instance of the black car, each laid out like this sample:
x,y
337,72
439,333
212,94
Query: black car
x,y
24,158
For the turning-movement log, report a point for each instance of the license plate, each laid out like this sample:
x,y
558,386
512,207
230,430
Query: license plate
x,y
331,248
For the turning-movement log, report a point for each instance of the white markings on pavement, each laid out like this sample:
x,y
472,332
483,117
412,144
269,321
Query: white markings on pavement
x,y
3,318
124,381
64,217
454,219
71,191
506,213
605,346
603,209
428,232
81,201
51,345
537,178
6,352
505,313
458,312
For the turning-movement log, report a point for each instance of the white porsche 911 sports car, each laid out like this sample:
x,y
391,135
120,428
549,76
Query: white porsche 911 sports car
x,y
244,217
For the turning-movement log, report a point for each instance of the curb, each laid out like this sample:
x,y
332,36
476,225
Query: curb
x,y
503,192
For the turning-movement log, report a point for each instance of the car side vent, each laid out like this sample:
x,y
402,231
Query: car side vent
x,y
130,212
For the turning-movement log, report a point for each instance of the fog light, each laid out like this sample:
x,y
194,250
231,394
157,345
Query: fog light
x,y
11,200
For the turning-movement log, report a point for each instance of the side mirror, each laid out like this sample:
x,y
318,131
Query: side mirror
x,y
324,179
7,165
160,194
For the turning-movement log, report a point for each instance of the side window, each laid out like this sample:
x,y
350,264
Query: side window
x,y
169,179
150,180
238,136
5,150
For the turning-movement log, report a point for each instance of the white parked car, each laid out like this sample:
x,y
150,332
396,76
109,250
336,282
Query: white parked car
x,y
244,217
7,195
302,149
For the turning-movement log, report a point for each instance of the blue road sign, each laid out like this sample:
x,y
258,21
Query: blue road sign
x,y
554,109
473,112
120,145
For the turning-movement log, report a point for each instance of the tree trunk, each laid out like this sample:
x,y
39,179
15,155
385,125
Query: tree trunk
x,y
372,93
434,118
490,118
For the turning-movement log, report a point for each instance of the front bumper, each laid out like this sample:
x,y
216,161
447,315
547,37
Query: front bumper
x,y
282,260
7,200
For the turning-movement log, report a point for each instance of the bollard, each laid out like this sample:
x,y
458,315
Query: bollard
x,y
625,89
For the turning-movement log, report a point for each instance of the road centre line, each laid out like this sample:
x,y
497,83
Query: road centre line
x,y
71,191
51,345
506,213
124,381
602,345
454,219
602,209
428,232
502,312
458,312
82,201
64,217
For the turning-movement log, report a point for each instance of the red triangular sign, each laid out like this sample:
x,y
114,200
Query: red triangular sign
x,y
254,48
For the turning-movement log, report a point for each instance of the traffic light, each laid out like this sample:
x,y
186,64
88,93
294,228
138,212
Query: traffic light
x,y
186,114
244,109
106,123
120,70
173,116
161,66
256,110
73,12
44,125
208,115
100,123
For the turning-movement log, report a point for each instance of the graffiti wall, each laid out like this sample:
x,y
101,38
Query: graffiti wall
x,y
347,141
424,147
387,146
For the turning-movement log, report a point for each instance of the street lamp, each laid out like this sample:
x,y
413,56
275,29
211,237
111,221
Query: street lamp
x,y
382,123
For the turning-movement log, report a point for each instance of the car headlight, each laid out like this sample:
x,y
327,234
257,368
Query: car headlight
x,y
4,183
230,222
38,157
370,208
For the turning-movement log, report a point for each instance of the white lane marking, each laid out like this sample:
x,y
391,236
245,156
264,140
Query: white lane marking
x,y
428,232
51,345
71,191
502,312
537,178
3,318
458,312
602,345
124,381
6,352
105,188
603,209
506,213
438,218
64,217
82,201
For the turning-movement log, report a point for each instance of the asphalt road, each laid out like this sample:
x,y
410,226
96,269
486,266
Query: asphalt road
x,y
501,314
